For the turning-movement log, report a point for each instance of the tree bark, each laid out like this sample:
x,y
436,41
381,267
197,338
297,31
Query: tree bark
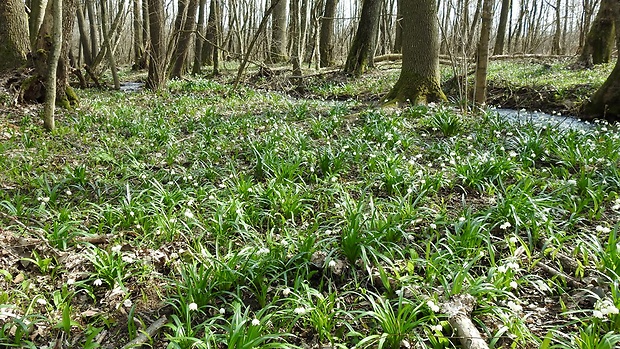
x,y
84,42
14,44
483,53
326,39
180,54
56,49
209,48
37,12
157,65
557,34
606,101
278,33
138,46
501,27
108,45
398,40
363,47
92,20
419,80
600,39
202,8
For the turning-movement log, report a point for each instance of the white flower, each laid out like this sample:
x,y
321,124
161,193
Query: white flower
x,y
262,250
117,248
437,328
70,281
97,282
68,192
332,264
192,306
127,259
188,214
434,307
602,229
461,219
255,322
514,284
597,314
502,269
45,199
571,182
127,303
513,240
514,306
286,292
222,311
505,225
284,242
433,226
132,213
300,310
41,301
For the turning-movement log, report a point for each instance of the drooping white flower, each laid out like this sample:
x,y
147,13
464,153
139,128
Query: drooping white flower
x,y
514,306
432,306
255,322
98,282
286,292
192,306
300,310
188,214
127,303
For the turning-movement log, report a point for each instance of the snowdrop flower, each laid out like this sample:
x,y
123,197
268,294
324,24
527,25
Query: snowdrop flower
x,y
332,264
255,322
192,306
434,307
97,282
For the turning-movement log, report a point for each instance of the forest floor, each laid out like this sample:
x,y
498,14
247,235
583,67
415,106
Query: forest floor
x,y
267,218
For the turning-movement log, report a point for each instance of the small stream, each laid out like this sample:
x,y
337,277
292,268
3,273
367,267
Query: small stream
x,y
132,86
561,122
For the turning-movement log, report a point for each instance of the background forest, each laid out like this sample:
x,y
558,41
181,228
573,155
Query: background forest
x,y
309,174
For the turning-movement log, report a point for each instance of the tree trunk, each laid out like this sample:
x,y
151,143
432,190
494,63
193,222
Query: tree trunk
x,y
157,65
108,45
180,54
606,101
14,44
37,12
138,48
419,80
84,42
209,48
483,53
295,37
326,39
92,20
56,49
600,40
557,34
278,33
146,33
398,40
501,27
202,8
363,47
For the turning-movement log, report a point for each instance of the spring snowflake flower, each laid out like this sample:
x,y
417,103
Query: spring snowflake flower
x,y
127,303
598,314
514,284
41,301
117,248
432,306
98,282
222,311
433,226
332,264
255,322
188,214
601,229
286,292
461,219
300,310
262,250
513,240
437,328
505,225
192,306
68,192
514,306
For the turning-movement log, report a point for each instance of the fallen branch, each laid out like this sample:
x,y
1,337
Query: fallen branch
x,y
147,334
570,281
458,310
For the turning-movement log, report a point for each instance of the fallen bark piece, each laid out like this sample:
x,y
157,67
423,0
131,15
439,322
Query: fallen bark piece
x,y
570,281
147,334
458,310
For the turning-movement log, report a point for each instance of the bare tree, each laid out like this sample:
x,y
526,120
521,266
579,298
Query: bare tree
x,y
55,51
483,52
363,48
14,44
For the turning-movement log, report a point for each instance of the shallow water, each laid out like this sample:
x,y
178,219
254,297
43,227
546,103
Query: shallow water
x,y
132,86
543,119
